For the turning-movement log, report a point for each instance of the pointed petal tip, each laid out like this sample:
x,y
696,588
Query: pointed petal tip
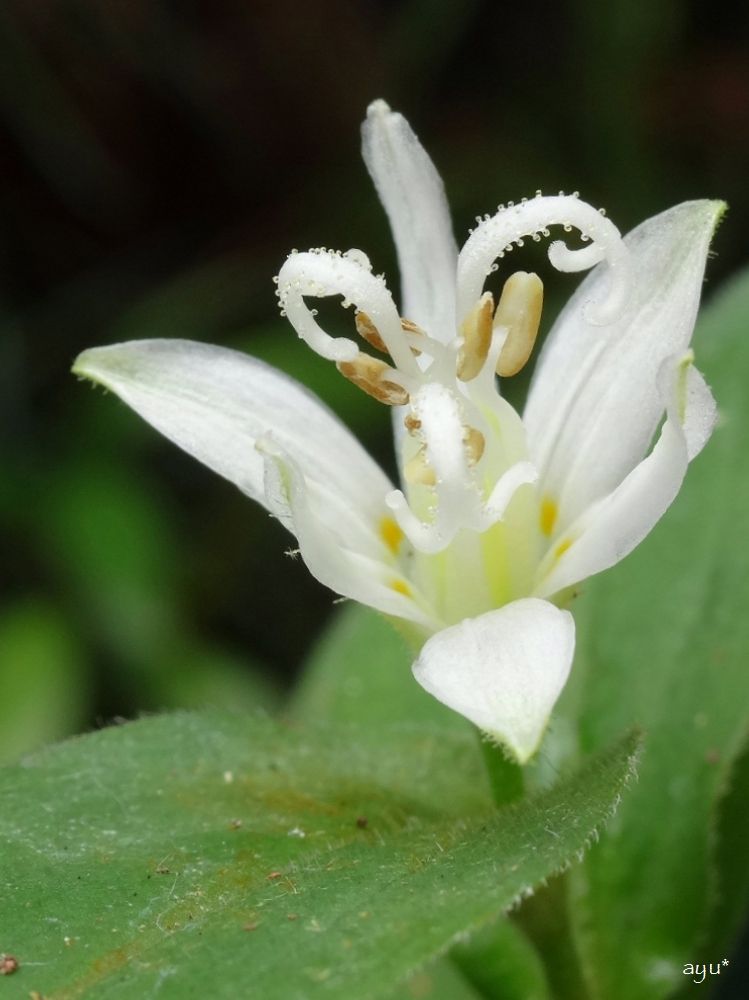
x,y
87,366
709,210
378,109
719,209
503,671
413,196
106,364
705,213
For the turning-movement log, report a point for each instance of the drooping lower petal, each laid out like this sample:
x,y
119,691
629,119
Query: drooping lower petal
x,y
503,670
217,403
593,404
612,527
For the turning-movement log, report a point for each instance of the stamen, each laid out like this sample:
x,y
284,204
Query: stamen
x,y
408,326
369,332
476,331
372,376
417,470
519,311
519,474
411,423
475,443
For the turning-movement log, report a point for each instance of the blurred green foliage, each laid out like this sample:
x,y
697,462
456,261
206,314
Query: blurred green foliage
x,y
158,162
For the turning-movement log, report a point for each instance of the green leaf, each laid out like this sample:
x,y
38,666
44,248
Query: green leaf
x,y
197,675
501,962
440,980
730,856
663,641
223,856
42,685
360,673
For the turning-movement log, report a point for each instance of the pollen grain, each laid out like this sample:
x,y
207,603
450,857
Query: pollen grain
x,y
369,332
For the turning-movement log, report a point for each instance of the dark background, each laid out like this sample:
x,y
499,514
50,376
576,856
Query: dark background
x,y
158,160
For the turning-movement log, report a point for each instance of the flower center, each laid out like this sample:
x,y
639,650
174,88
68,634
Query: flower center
x,y
463,453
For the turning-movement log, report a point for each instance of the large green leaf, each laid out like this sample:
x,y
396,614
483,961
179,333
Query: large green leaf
x,y
730,867
224,856
663,641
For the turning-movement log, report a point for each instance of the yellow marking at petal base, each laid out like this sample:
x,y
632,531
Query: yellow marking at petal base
x,y
548,515
562,548
391,534
682,383
401,587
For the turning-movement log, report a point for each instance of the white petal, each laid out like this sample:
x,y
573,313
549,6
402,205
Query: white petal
x,y
217,403
341,550
593,405
503,670
414,198
612,527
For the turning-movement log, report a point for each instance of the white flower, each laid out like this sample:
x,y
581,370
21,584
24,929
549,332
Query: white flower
x,y
497,517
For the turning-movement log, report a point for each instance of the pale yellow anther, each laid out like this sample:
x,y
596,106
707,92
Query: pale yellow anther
x,y
418,471
369,332
477,337
474,444
519,311
373,377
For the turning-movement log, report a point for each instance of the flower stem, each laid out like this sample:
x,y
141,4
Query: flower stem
x,y
505,776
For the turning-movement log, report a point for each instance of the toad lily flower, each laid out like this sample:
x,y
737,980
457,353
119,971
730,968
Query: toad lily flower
x,y
498,517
